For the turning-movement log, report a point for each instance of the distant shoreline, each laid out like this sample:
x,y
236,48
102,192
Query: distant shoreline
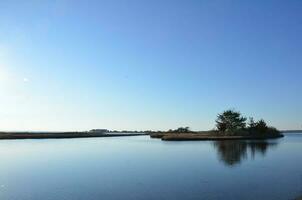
x,y
60,135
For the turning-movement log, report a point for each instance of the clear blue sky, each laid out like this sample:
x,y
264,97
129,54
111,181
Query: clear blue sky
x,y
160,64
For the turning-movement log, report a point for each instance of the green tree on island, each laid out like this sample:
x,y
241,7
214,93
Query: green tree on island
x,y
230,121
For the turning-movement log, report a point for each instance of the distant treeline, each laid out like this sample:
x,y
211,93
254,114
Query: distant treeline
x,y
116,131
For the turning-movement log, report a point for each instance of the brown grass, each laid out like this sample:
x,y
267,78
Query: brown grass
x,y
187,136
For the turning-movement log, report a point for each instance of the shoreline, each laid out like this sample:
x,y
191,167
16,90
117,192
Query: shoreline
x,y
60,135
208,137
205,136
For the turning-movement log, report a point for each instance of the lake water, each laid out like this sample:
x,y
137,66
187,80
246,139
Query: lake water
x,y
143,168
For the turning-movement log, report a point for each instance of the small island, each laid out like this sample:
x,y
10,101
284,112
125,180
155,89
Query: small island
x,y
230,125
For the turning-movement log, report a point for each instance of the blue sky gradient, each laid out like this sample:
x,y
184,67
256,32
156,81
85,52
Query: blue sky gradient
x,y
78,65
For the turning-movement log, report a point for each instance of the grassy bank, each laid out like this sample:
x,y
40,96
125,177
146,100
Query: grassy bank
x,y
184,137
59,135
162,134
208,135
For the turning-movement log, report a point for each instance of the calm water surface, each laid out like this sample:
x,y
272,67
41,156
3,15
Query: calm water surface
x,y
144,168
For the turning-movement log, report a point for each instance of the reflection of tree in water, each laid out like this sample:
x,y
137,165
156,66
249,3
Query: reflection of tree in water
x,y
232,152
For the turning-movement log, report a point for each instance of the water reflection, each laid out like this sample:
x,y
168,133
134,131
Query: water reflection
x,y
232,153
